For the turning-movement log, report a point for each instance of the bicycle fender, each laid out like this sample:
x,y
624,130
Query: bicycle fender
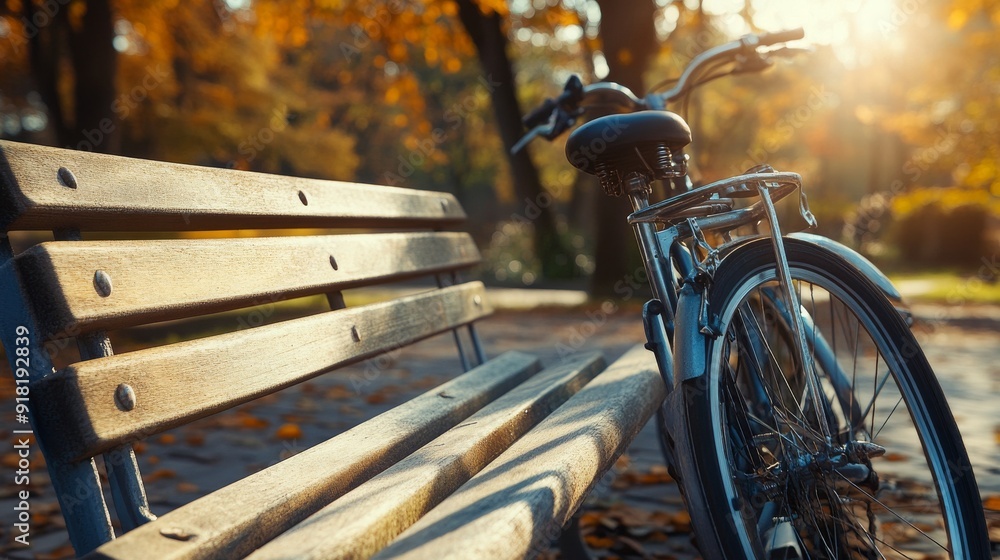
x,y
690,344
857,260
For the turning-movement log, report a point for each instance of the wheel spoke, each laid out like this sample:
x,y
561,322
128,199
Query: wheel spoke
x,y
887,418
792,393
892,511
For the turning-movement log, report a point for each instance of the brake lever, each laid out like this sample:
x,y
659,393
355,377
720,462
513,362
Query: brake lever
x,y
790,51
562,121
539,130
753,62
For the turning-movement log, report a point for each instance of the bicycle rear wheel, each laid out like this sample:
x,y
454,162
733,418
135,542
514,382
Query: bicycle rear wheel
x,y
876,469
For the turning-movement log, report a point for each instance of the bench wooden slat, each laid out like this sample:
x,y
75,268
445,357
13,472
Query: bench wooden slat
x,y
124,194
363,521
194,277
177,383
239,518
516,505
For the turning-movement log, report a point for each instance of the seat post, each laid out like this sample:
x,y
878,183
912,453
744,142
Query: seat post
x,y
653,256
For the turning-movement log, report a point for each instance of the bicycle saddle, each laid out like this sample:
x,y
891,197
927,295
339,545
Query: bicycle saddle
x,y
615,146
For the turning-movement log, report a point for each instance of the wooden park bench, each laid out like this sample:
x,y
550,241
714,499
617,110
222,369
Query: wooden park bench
x,y
488,465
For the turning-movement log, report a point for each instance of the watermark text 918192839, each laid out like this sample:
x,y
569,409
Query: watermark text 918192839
x,y
22,441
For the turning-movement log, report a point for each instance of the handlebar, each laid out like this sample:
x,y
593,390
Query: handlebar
x,y
767,39
555,116
746,45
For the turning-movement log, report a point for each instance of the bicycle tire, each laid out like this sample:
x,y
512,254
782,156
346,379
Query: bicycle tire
x,y
728,497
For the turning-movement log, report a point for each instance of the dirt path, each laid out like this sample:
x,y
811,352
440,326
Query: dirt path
x,y
636,512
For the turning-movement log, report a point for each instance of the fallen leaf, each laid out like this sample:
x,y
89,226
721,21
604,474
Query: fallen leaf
x,y
10,460
992,502
338,392
168,439
594,541
289,432
252,422
589,519
657,537
196,440
159,474
64,551
187,487
682,521
308,388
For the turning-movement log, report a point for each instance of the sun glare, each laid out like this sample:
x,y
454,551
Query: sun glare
x,y
850,26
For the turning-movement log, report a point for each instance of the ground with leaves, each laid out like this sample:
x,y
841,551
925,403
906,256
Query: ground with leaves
x,y
636,512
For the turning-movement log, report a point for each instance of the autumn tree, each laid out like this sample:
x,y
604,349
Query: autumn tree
x,y
73,62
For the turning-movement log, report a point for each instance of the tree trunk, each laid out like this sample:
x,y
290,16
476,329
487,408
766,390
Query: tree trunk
x,y
534,203
89,123
628,37
95,63
46,45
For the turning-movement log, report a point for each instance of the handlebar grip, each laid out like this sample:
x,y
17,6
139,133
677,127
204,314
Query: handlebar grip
x,y
541,114
766,39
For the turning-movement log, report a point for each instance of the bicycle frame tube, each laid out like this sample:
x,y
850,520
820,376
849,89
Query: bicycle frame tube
x,y
662,257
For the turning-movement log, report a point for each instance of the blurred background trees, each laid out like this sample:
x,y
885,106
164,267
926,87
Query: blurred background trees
x,y
892,121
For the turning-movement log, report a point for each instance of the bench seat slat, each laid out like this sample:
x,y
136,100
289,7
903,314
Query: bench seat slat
x,y
517,504
237,519
178,383
363,521
114,193
193,277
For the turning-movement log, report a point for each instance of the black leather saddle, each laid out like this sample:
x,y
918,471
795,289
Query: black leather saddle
x,y
611,147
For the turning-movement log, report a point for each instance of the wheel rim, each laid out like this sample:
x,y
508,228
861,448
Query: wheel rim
x,y
820,480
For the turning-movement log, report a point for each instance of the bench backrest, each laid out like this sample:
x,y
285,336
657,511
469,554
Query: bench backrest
x,y
79,287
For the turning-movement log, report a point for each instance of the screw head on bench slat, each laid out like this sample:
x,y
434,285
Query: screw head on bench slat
x,y
177,533
302,197
333,262
102,283
355,335
66,178
125,397
477,300
444,204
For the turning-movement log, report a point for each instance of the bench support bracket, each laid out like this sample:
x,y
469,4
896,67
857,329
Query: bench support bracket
x,y
77,485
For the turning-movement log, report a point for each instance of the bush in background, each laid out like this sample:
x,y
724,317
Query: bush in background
x,y
943,227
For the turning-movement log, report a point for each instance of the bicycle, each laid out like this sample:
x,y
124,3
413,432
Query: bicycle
x,y
782,428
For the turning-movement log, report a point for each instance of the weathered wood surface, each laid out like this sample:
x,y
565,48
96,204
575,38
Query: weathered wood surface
x,y
517,504
149,281
241,517
363,521
177,383
100,192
